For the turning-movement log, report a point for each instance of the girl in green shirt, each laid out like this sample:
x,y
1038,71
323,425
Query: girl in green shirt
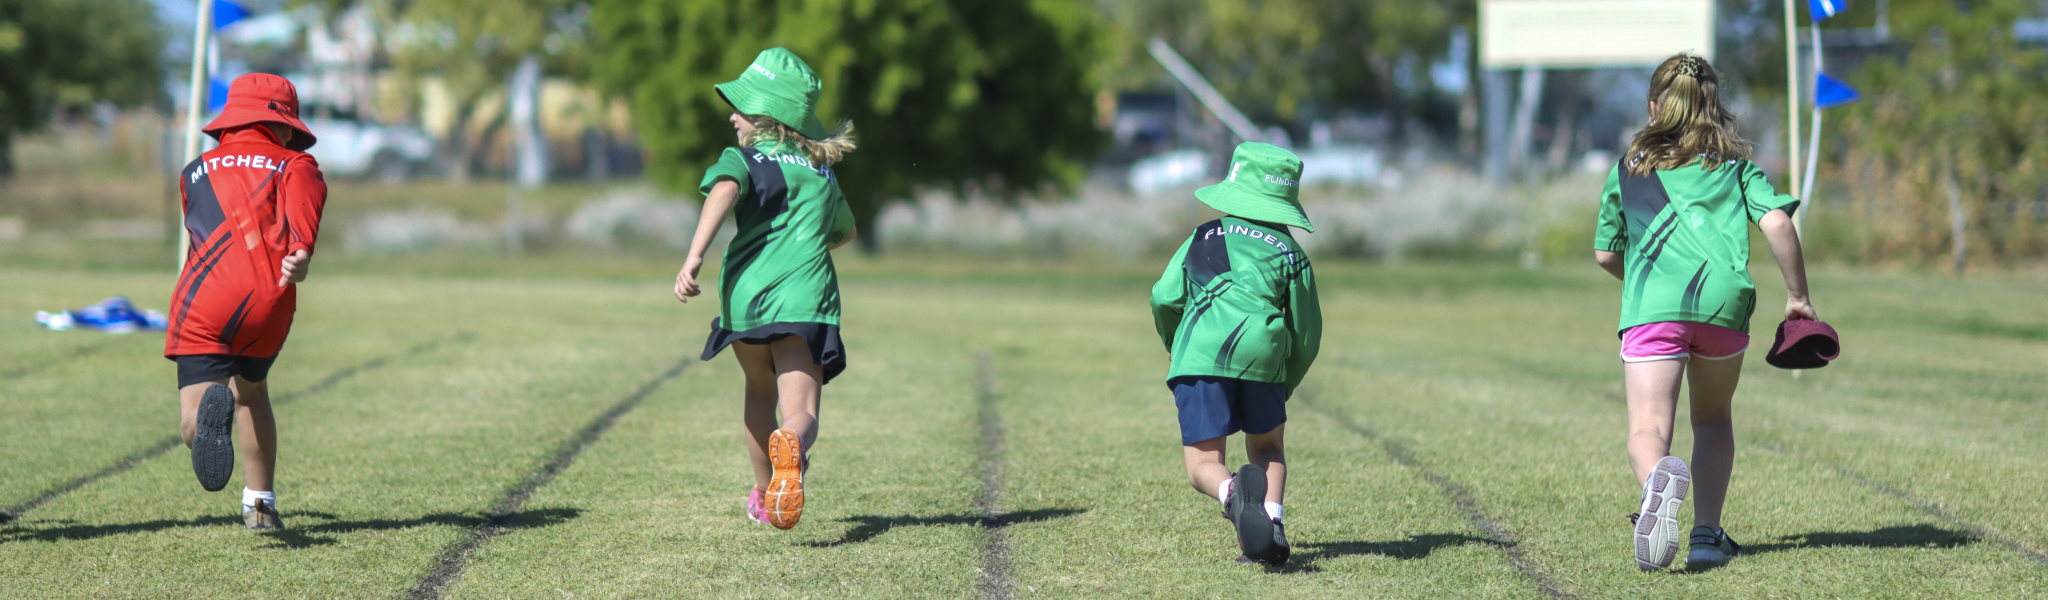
x,y
1674,228
778,292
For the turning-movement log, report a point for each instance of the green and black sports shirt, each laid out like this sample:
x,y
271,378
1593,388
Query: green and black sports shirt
x,y
1239,300
777,268
1684,238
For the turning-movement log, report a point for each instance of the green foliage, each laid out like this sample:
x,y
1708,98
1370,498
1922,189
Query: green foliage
x,y
993,95
56,53
1961,104
1277,57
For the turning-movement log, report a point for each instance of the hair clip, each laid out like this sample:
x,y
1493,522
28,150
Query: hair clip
x,y
1689,66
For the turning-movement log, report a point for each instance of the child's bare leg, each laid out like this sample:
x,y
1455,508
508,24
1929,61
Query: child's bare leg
x,y
1713,435
188,408
1205,465
258,433
798,381
759,414
1268,451
1652,399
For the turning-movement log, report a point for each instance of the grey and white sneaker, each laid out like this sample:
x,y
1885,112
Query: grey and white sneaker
x,y
1711,546
1656,524
1246,508
262,517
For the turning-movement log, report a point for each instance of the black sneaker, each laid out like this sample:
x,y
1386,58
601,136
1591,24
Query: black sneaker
x,y
213,444
263,517
1711,546
1281,549
1246,507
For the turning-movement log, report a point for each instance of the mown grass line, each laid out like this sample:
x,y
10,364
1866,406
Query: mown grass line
x,y
168,442
1509,545
79,352
1911,499
995,551
455,558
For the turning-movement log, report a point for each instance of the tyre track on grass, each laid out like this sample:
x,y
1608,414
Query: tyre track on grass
x,y
455,558
81,351
1461,497
169,442
1911,499
995,549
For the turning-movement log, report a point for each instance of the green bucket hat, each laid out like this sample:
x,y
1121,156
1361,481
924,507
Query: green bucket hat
x,y
778,86
1264,185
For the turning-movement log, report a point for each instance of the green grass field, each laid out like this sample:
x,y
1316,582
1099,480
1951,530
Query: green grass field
x,y
543,429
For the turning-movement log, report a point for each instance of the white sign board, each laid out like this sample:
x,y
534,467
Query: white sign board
x,y
1592,33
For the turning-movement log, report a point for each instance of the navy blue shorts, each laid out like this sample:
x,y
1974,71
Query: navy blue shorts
x,y
1213,407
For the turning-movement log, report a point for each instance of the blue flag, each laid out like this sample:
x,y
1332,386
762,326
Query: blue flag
x,y
1822,9
1829,92
226,13
216,94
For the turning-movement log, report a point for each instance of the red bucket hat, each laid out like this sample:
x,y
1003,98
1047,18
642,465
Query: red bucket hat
x,y
259,98
1804,344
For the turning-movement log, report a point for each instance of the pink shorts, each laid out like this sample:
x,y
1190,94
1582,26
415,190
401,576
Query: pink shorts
x,y
1678,340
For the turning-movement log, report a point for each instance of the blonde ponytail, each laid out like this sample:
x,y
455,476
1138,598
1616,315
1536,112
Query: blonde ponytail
x,y
1688,122
823,153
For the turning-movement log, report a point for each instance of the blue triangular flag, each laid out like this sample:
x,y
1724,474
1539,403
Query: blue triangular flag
x,y
1829,92
216,94
226,13
1822,9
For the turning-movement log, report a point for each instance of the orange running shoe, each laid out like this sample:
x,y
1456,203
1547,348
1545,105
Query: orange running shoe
x,y
785,497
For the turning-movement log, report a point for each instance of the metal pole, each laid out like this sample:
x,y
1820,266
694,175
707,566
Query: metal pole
x,y
195,101
1207,94
1813,137
1792,100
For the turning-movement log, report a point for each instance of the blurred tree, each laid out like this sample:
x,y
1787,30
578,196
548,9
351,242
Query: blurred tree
x,y
1275,58
56,53
993,95
1951,140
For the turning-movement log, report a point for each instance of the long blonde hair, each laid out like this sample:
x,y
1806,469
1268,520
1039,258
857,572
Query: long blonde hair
x,y
1688,122
823,153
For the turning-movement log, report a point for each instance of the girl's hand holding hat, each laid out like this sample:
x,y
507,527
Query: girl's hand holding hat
x,y
1799,307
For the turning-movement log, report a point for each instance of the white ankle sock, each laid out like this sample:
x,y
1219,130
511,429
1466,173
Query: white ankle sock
x,y
250,497
1223,492
1273,510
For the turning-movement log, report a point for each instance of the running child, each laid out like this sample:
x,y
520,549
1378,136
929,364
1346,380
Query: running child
x,y
778,293
252,206
1674,228
1238,313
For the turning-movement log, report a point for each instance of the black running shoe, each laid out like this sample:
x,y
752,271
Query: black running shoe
x,y
1247,508
1711,546
213,445
1281,549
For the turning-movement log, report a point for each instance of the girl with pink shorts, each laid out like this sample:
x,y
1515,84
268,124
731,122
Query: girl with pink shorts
x,y
1674,228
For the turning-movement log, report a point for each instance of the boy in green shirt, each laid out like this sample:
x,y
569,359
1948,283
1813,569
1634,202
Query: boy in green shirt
x,y
1238,313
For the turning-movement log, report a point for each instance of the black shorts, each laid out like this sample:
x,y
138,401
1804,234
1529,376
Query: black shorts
x,y
1213,407
202,368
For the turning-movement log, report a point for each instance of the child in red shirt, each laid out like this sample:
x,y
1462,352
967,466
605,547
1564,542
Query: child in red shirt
x,y
252,207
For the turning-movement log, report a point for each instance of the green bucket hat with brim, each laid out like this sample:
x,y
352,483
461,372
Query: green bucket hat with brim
x,y
1264,185
778,85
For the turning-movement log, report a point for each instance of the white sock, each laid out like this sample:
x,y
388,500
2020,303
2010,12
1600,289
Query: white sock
x,y
250,497
1223,492
1273,510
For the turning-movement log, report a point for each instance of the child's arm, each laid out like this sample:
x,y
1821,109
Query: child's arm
x,y
1170,296
1772,213
716,205
843,229
1610,234
1784,240
1305,321
304,198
